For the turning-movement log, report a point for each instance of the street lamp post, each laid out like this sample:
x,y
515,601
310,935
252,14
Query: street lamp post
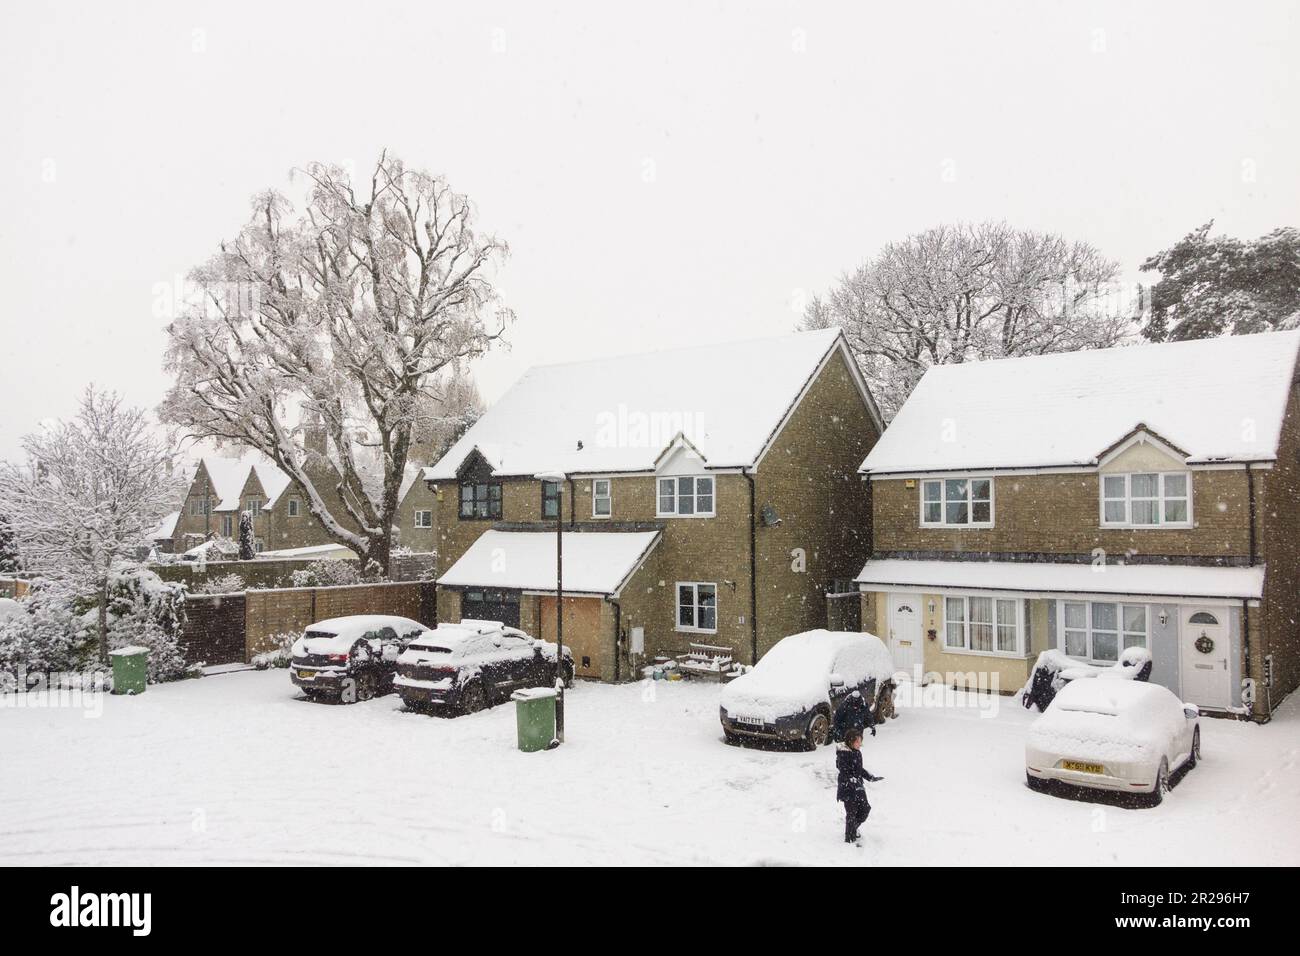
x,y
558,478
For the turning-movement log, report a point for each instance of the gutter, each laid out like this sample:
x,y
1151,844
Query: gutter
x,y
753,571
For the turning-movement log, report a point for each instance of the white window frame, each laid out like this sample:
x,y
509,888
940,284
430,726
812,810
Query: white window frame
x,y
255,506
695,597
943,501
423,518
258,545
295,507
678,497
965,647
608,497
1160,498
228,526
1121,631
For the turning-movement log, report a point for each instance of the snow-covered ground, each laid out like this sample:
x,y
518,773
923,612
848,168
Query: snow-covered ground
x,y
238,768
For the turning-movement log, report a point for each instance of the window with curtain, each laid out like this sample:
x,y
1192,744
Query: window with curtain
x,y
1146,499
1101,630
697,606
986,625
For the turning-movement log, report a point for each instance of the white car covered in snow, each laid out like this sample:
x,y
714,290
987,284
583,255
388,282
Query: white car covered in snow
x,y
1117,735
792,694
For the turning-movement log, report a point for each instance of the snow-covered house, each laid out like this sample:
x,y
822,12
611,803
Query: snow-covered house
x,y
225,486
711,497
1090,502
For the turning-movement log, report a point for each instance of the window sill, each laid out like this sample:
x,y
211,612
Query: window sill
x,y
694,630
711,514
1003,655
960,527
1168,526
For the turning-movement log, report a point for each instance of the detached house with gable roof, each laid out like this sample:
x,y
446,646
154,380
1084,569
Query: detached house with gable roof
x,y
711,497
1092,502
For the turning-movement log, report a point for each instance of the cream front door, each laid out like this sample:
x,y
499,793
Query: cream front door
x,y
1205,657
905,631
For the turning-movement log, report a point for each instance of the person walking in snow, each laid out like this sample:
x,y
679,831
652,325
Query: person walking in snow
x,y
853,714
851,791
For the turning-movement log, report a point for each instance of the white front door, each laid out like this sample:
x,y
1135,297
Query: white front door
x,y
1205,657
905,631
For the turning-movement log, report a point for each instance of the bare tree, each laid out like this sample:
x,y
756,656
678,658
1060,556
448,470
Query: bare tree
x,y
84,504
350,316
957,293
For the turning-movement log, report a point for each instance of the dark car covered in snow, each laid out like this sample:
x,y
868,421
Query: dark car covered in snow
x,y
465,667
792,694
351,658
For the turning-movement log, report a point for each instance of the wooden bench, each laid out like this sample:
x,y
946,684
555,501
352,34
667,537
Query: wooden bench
x,y
706,660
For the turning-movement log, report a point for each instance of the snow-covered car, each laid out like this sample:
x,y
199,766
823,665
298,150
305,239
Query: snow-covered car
x,y
792,694
1118,735
468,666
351,658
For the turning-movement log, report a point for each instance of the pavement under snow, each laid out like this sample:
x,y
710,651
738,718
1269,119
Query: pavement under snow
x,y
239,768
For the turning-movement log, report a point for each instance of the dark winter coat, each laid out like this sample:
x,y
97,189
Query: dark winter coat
x,y
853,714
852,774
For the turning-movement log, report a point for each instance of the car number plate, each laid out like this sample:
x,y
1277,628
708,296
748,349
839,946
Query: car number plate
x,y
755,721
1082,767
306,675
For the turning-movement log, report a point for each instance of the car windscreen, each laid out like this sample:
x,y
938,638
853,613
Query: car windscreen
x,y
319,634
430,648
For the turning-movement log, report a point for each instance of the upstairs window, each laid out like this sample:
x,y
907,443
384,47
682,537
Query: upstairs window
x,y
255,506
550,499
1146,500
424,519
602,501
957,502
685,497
295,507
480,500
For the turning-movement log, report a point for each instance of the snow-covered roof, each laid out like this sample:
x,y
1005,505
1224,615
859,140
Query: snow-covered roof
x,y
1138,580
166,528
1214,399
595,562
727,400
323,551
229,475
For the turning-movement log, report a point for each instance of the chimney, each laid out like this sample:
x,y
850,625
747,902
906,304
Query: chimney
x,y
313,439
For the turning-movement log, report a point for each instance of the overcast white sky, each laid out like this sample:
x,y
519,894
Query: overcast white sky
x,y
664,173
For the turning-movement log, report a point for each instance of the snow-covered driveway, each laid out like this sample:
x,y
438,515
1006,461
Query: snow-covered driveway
x,y
239,769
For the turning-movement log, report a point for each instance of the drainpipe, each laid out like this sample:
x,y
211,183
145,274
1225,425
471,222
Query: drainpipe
x,y
618,635
753,571
572,498
1245,608
1250,498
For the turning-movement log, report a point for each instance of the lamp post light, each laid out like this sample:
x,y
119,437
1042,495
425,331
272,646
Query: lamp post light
x,y
558,478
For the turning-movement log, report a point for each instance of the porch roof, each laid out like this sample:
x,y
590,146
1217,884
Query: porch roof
x,y
595,562
1138,580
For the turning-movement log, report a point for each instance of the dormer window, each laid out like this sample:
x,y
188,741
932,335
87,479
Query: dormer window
x,y
690,497
480,500
957,503
1146,500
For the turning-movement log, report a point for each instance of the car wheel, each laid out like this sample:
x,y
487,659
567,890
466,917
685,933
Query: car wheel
x,y
818,732
1162,784
367,684
1196,749
472,698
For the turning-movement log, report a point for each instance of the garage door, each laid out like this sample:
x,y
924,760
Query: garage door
x,y
492,605
581,631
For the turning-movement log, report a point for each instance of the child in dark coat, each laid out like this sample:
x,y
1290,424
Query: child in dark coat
x,y
851,791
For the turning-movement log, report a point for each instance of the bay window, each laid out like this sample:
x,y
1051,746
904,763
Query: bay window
x,y
685,497
1146,499
1100,630
957,502
983,625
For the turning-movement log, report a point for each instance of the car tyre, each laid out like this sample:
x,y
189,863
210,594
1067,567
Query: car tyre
x,y
472,698
1162,784
818,732
367,684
